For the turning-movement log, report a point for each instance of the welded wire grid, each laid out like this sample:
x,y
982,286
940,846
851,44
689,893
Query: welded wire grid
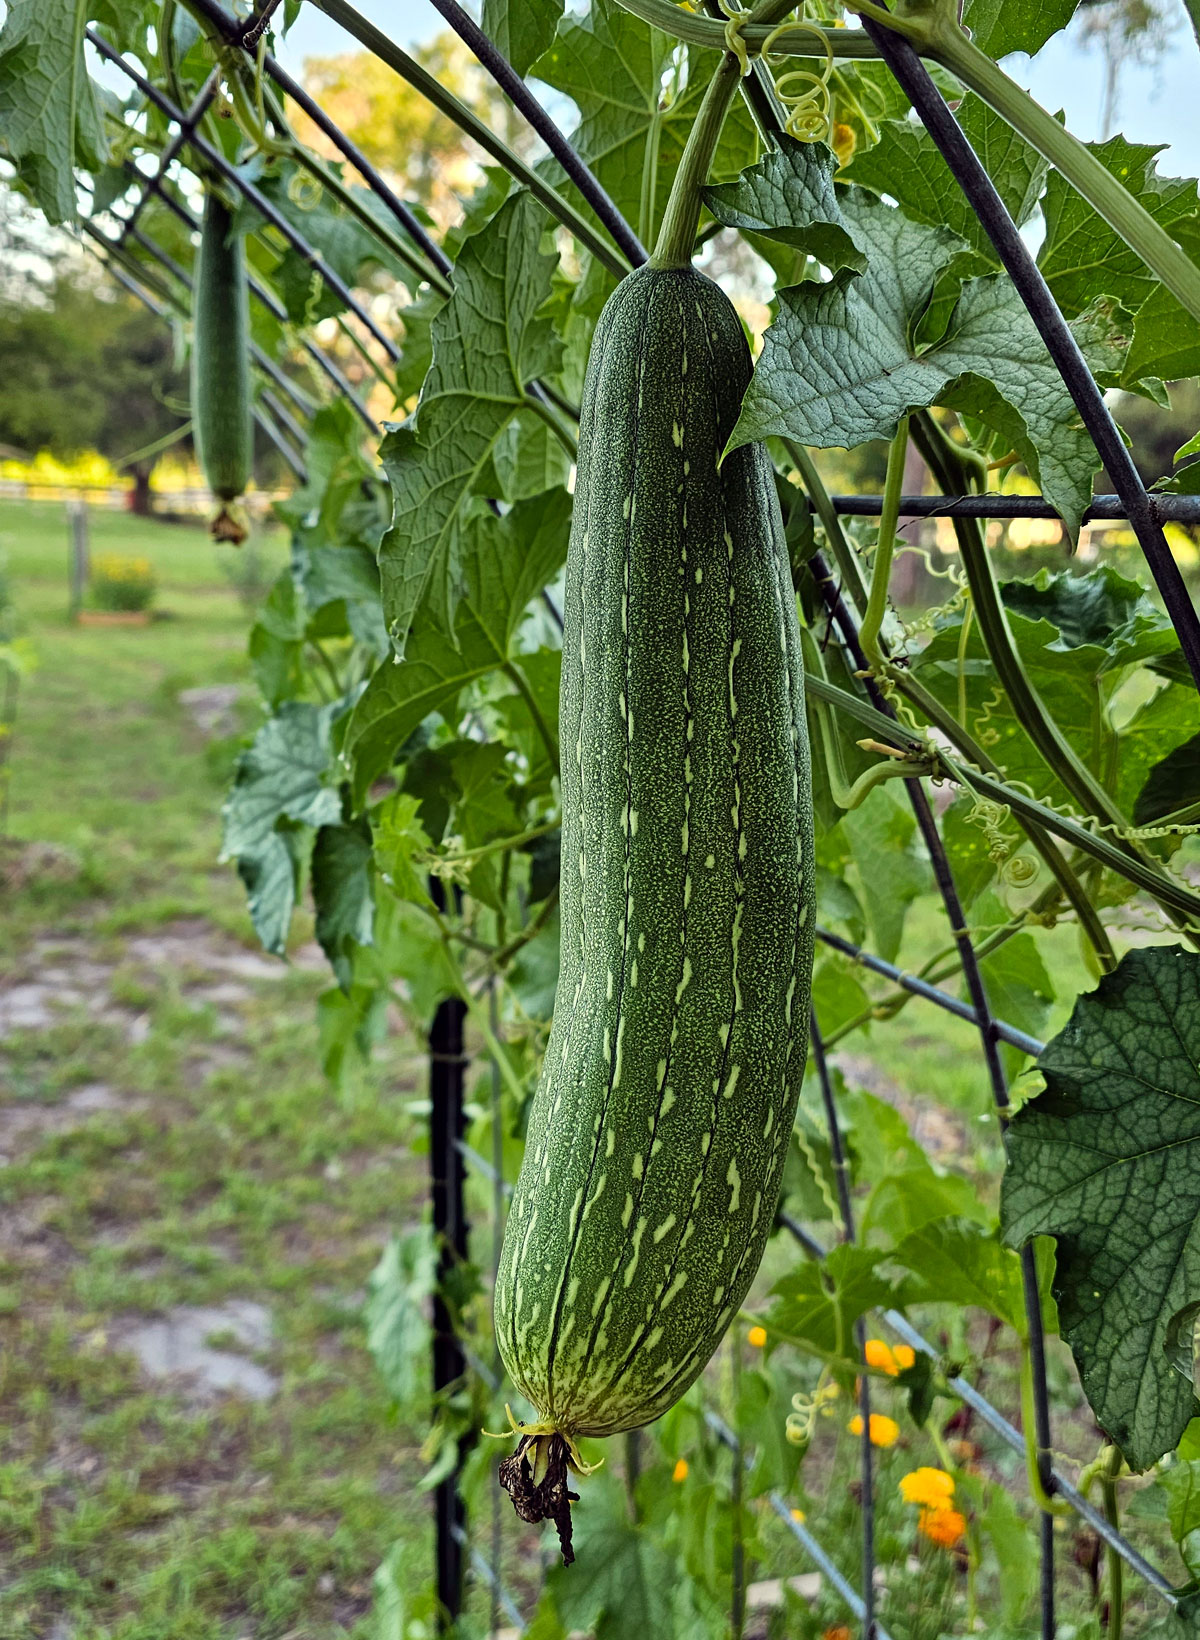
x,y
1145,511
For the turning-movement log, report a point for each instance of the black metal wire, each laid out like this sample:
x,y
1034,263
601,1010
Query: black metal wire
x,y
1179,509
841,1173
217,161
519,94
231,29
178,142
271,303
988,1033
915,80
932,993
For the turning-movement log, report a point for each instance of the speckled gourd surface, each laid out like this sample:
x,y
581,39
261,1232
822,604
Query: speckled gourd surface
x,y
660,1126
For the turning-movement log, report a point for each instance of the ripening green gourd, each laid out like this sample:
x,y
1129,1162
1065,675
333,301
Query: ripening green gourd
x,y
222,415
660,1126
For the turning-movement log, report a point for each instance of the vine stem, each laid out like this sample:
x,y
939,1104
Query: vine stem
x,y
1116,1566
881,569
937,35
681,220
515,676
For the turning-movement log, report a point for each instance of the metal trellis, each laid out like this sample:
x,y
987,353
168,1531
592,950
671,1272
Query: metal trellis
x,y
1146,512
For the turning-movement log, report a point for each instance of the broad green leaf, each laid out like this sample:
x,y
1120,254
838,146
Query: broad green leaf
x,y
819,1304
906,165
838,367
521,29
622,1586
403,692
343,893
399,836
612,66
1081,256
286,774
49,112
1011,1537
343,242
349,1025
1002,26
1075,681
1107,1161
488,344
1172,784
277,640
1166,338
507,561
528,458
1181,1483
270,872
398,1292
410,957
788,196
956,1262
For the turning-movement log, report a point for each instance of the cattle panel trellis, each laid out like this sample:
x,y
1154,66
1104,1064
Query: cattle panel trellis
x,y
450,1156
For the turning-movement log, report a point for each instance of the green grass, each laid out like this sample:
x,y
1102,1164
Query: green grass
x,y
130,1509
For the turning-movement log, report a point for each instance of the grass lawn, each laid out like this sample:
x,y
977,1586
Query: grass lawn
x,y
172,1154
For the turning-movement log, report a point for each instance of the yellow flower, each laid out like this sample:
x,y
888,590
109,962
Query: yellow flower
x,y
904,1356
799,1515
877,1354
681,1470
845,141
931,1487
942,1526
757,1336
884,1431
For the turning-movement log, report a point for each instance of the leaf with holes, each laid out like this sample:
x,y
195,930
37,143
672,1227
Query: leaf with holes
x,y
1107,1161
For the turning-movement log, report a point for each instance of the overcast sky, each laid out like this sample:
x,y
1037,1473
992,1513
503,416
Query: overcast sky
x,y
1155,104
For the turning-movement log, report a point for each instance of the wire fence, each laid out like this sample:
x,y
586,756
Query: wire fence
x,y
450,1155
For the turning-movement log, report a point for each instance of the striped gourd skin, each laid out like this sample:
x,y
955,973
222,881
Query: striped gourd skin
x,y
221,408
659,1129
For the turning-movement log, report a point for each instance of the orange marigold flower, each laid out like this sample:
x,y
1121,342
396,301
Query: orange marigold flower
x,y
877,1354
838,1632
904,1356
884,1431
931,1487
757,1336
681,1470
942,1526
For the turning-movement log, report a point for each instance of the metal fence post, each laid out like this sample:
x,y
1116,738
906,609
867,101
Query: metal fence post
x,y
447,1174
80,568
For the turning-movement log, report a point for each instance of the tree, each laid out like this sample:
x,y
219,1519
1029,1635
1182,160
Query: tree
x,y
86,367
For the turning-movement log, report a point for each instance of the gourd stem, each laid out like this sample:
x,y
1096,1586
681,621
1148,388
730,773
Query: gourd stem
x,y
681,219
881,569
